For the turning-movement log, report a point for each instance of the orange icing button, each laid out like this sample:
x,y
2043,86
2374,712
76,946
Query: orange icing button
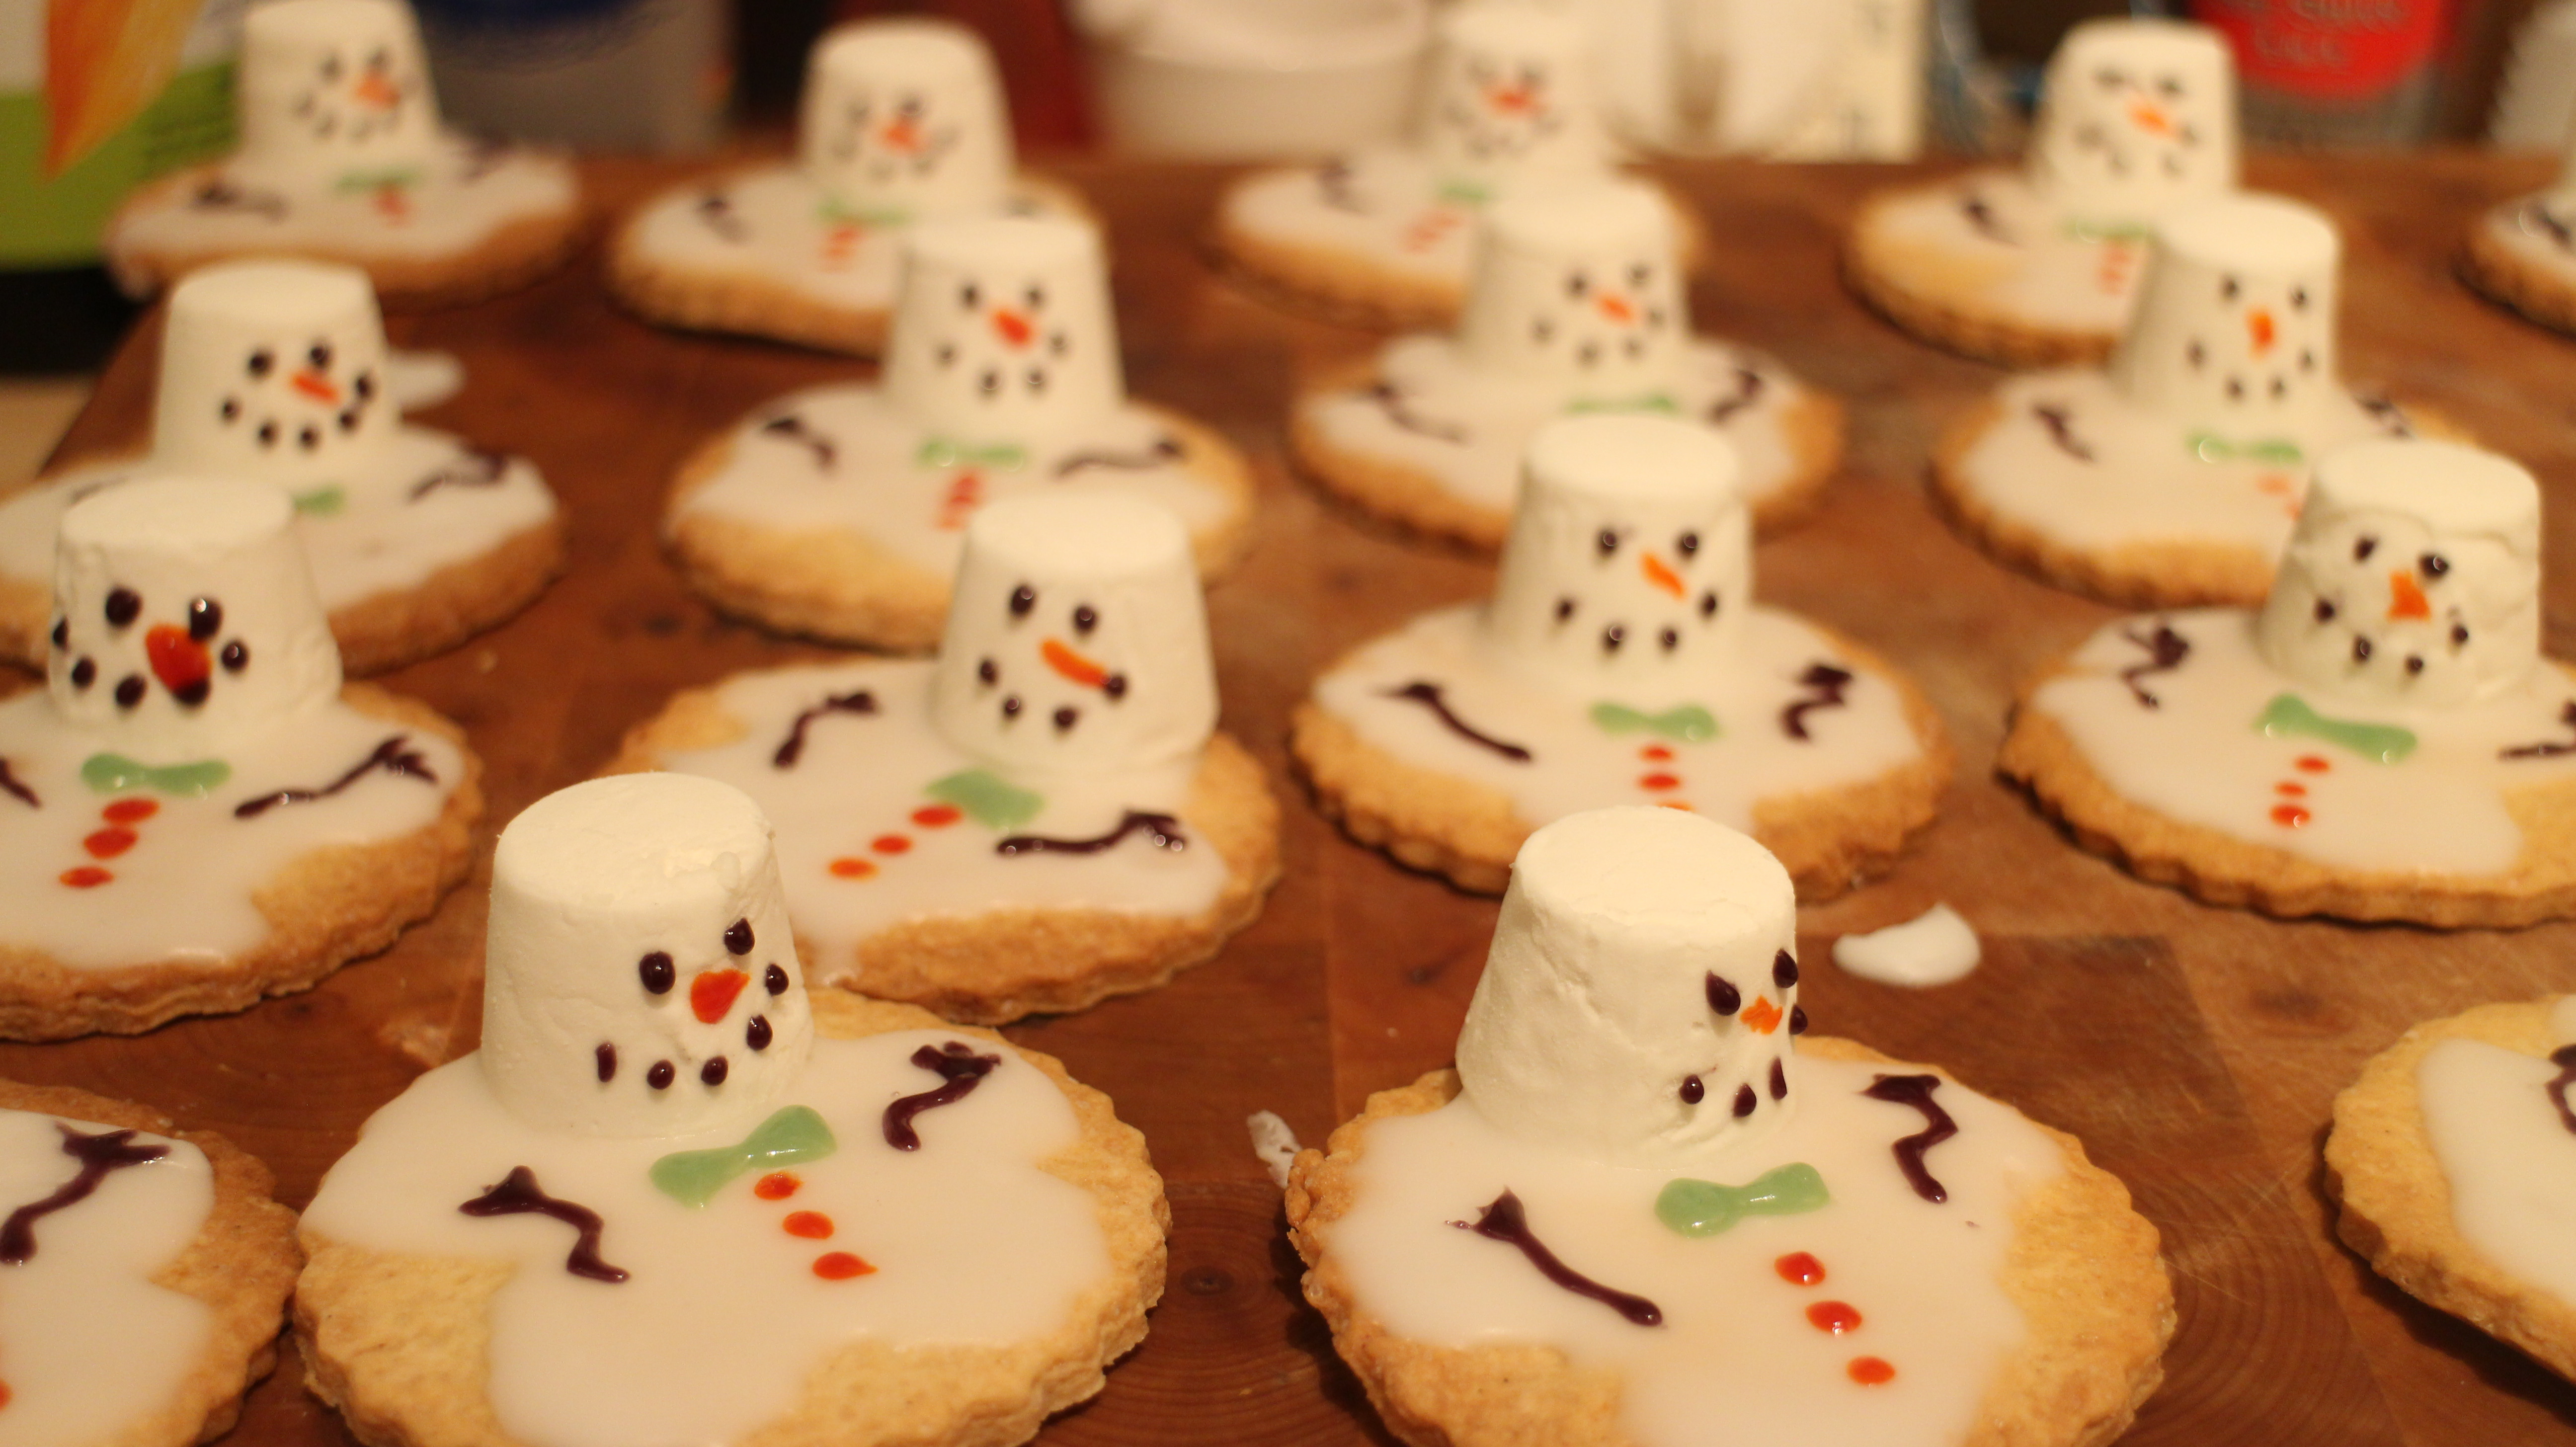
x,y
847,867
1761,1015
1682,805
2290,816
712,993
2310,763
890,844
812,1225
1871,1371
1834,1316
130,811
108,843
1659,782
88,876
1800,1268
2288,789
936,816
776,1186
1654,753
841,1266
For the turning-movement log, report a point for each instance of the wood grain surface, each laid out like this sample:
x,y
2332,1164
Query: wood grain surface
x,y
2195,1050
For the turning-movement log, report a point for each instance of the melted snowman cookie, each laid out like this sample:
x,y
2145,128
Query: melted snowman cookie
x,y
143,1273
2523,253
343,159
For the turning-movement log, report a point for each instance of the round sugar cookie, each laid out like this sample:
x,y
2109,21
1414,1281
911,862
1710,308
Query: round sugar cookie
x,y
146,1270
2523,254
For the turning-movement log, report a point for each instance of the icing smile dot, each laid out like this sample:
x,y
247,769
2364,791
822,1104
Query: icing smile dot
x,y
812,1225
841,1266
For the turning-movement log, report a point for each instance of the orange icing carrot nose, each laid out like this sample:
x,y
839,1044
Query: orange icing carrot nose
x,y
376,91
1661,576
2405,600
315,386
1762,1015
1616,308
1015,328
178,660
2258,325
711,994
2149,119
901,135
1073,666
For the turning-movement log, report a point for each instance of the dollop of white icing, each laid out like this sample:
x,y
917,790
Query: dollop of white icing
x,y
1935,947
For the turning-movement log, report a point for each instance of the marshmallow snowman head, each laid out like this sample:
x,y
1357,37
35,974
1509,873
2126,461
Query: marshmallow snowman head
x,y
1628,572
903,119
1578,281
1641,996
1509,91
2235,328
2137,115
273,370
1002,331
2414,576
1077,638
184,617
640,978
333,89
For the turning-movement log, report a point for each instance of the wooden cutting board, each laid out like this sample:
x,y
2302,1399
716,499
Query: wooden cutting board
x,y
2196,1051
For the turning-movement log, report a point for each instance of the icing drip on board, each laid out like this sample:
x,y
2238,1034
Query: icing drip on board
x,y
1735,1360
2493,1119
87,1342
1575,762
726,1310
2201,758
859,812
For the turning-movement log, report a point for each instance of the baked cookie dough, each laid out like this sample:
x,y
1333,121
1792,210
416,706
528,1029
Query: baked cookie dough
x,y
1578,306
2173,477
2041,266
2381,742
911,1232
1622,660
143,1273
1038,819
2523,254
903,121
1638,1214
2454,1172
196,813
837,512
277,372
344,159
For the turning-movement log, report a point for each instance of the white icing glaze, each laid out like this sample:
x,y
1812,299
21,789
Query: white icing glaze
x,y
1508,90
1273,1144
1935,947
2235,328
1736,1359
330,88
464,196
275,371
1002,330
776,222
2137,115
2505,1154
430,500
888,481
1990,245
722,1315
1468,428
2200,756
1077,639
2149,479
904,117
601,892
858,795
1630,561
1576,764
1635,1008
184,617
2414,576
87,1342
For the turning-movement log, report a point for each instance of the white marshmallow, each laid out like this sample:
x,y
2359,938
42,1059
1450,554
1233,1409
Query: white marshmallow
x,y
1510,91
1077,638
273,370
2235,328
334,90
184,617
639,934
1578,282
1002,331
903,119
2137,115
2414,576
1628,574
1638,950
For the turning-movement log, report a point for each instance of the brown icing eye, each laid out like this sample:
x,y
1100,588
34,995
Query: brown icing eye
x,y
1670,638
1723,997
1612,637
1744,1101
2107,78
715,1071
1023,598
987,672
236,656
1688,543
757,1033
660,1076
2361,650
1784,970
1708,605
84,673
2433,565
774,980
1037,298
1779,1081
261,363
657,973
1576,284
1797,1019
606,1055
1607,541
1692,1091
1639,273
268,434
2228,290
205,616
2414,665
62,634
2298,298
1564,609
319,355
2459,636
1085,618
129,690
2168,87
122,606
1065,718
2363,547
738,937
2325,611
231,410
970,296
